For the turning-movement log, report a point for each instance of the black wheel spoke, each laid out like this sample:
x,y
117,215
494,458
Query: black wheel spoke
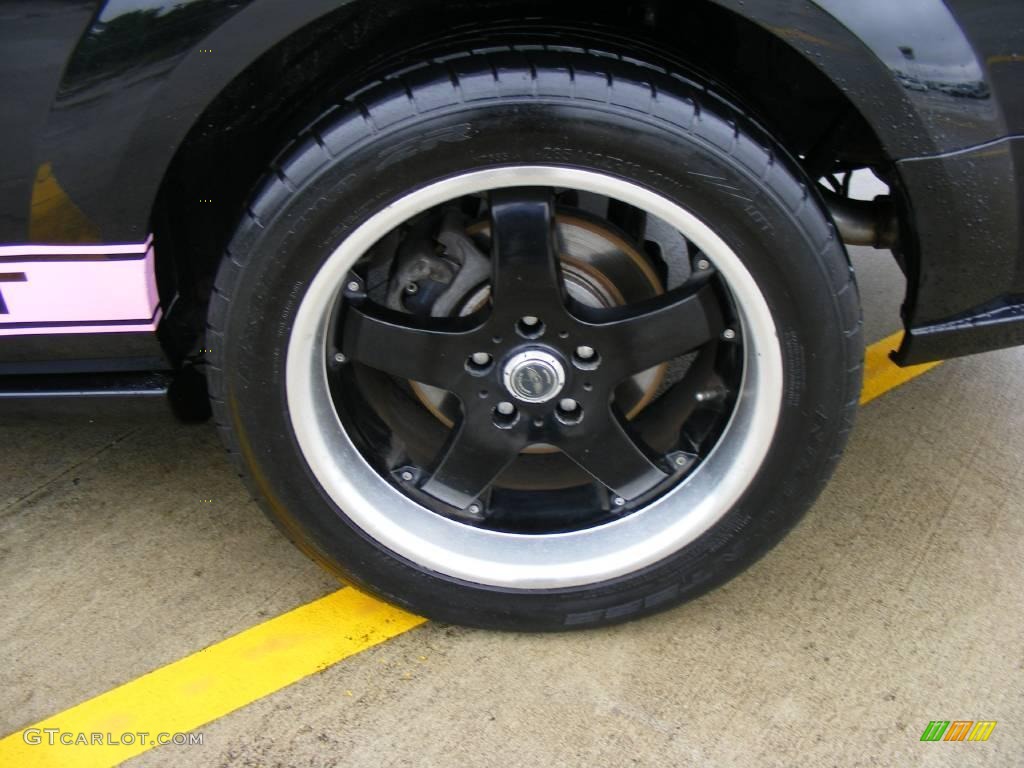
x,y
525,266
473,457
610,453
537,367
431,351
637,337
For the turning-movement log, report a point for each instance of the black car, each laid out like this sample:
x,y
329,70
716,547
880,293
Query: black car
x,y
517,314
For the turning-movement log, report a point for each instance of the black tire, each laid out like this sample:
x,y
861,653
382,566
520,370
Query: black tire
x,y
662,130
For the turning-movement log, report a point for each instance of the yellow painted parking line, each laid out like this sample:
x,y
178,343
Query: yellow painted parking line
x,y
881,374
256,662
209,684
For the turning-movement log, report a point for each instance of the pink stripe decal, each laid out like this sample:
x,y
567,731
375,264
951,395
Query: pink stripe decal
x,y
42,295
75,250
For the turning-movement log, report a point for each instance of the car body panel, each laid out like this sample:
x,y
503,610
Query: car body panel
x,y
108,92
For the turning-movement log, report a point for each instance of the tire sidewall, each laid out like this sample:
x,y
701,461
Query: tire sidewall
x,y
788,255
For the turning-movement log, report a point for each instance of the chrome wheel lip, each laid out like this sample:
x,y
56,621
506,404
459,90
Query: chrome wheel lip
x,y
542,561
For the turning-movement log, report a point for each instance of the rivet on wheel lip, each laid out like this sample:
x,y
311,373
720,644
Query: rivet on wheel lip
x,y
682,460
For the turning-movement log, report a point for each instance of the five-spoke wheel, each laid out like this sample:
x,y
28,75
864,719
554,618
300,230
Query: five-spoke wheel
x,y
533,367
535,339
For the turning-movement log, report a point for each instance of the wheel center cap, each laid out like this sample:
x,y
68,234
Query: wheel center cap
x,y
534,376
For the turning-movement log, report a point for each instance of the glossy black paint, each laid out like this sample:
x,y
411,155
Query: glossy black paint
x,y
972,300
526,279
103,94
909,67
93,396
80,353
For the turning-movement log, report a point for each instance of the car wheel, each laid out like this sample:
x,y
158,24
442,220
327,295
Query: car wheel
x,y
535,340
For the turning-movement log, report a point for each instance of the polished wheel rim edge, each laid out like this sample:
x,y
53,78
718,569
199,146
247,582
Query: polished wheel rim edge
x,y
523,561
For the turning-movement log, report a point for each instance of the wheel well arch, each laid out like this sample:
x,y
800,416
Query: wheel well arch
x,y
238,135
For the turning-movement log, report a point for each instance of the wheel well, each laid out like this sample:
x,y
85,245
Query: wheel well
x,y
238,136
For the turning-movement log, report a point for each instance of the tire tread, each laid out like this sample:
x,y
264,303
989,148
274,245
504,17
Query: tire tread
x,y
647,91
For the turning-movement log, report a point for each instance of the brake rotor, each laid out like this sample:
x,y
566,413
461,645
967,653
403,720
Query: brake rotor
x,y
601,269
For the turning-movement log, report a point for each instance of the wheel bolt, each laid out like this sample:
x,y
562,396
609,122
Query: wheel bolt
x,y
479,363
473,509
703,264
530,327
353,286
728,334
569,412
407,476
586,358
506,408
340,358
618,501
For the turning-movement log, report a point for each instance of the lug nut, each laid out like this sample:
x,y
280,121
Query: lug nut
x,y
569,412
618,501
407,476
506,408
473,509
586,358
703,264
353,286
340,358
530,327
479,363
728,334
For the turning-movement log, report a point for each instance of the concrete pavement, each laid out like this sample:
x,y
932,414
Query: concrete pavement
x,y
127,544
